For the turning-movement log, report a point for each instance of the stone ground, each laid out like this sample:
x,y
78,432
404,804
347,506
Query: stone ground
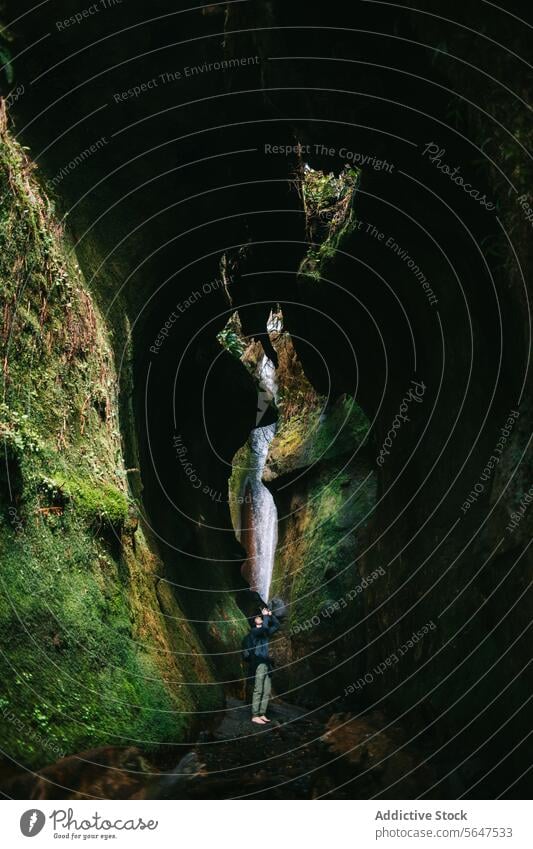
x,y
300,755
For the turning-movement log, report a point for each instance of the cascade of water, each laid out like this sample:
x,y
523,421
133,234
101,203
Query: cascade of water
x,y
264,515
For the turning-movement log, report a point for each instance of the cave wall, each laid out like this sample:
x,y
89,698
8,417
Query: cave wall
x,y
136,209
456,569
324,516
99,650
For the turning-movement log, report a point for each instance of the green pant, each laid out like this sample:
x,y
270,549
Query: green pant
x,y
262,690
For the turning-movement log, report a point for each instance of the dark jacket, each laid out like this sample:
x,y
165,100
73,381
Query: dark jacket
x,y
259,642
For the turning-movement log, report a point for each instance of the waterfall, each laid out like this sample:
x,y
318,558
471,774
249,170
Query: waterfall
x,y
263,515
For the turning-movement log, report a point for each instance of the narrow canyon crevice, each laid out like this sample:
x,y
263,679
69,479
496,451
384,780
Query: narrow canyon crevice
x,y
170,230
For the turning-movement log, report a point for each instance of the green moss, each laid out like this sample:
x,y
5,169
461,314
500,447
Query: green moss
x,y
91,653
230,337
311,436
227,629
16,432
74,668
324,508
327,202
324,192
98,503
317,542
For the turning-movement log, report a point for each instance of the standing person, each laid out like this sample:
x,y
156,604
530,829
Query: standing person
x,y
260,664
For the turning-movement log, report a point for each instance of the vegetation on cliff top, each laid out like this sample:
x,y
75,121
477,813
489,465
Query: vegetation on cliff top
x,y
327,202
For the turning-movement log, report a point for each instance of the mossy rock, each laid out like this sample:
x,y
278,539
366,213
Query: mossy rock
x,y
97,503
316,436
95,657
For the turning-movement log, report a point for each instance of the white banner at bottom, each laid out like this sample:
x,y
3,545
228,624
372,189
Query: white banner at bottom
x,y
237,825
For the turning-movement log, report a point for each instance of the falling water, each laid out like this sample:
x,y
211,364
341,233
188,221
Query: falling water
x,y
263,514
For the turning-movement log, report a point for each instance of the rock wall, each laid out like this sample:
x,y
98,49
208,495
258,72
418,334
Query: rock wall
x,y
97,649
324,485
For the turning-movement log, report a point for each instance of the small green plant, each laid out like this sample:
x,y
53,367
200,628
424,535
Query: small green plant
x,y
327,201
230,337
321,191
17,433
